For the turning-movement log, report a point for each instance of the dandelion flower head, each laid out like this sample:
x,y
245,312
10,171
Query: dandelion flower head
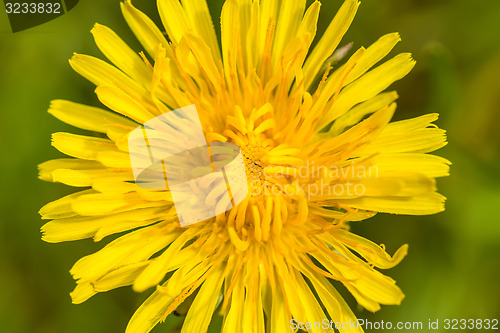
x,y
319,152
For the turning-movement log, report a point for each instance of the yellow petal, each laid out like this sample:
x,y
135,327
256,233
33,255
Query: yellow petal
x,y
174,19
80,146
129,249
368,286
290,16
96,204
74,228
202,54
61,208
120,54
357,113
358,215
398,184
234,317
201,311
121,226
200,19
376,52
287,278
161,303
105,185
89,118
119,101
155,272
88,177
231,37
144,29
416,135
279,312
334,303
368,86
421,141
431,203
82,292
154,195
70,177
309,24
268,18
373,253
410,125
374,288
330,40
150,312
101,73
429,165
120,277
193,270
114,159
356,138
313,310
253,51
329,92
46,168
253,313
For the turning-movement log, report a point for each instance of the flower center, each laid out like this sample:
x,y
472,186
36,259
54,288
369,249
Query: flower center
x,y
254,167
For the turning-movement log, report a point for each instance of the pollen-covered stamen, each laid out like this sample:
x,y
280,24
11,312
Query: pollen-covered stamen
x,y
254,167
271,173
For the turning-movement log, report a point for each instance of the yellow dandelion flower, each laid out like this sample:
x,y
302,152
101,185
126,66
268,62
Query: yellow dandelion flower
x,y
319,152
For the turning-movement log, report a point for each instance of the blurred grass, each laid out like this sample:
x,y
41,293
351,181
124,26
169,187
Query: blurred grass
x,y
452,267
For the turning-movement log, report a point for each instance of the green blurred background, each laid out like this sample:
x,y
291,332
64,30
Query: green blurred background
x,y
452,270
